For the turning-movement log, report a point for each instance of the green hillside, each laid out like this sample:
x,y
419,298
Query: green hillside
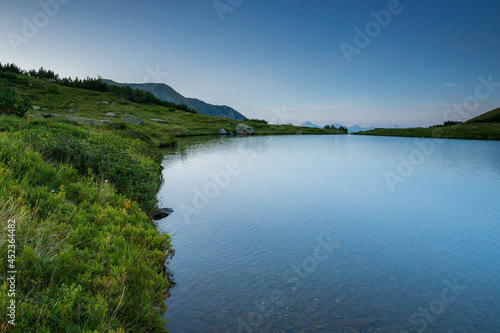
x,y
483,127
492,116
57,99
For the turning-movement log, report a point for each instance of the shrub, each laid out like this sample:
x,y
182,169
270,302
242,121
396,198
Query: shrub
x,y
9,104
7,75
261,121
90,258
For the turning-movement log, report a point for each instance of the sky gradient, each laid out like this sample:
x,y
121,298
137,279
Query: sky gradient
x,y
276,60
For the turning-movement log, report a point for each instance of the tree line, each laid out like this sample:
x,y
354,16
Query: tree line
x,y
333,127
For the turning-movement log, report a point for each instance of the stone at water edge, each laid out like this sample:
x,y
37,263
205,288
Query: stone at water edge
x,y
162,213
135,121
222,131
244,129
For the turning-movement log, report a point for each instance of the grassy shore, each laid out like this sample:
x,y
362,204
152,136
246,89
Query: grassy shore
x,y
87,257
75,207
472,131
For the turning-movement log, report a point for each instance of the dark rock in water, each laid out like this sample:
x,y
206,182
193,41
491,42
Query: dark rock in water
x,y
162,213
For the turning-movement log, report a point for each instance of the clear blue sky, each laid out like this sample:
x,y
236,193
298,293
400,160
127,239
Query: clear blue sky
x,y
275,54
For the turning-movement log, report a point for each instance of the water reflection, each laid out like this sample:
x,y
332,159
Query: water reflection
x,y
251,256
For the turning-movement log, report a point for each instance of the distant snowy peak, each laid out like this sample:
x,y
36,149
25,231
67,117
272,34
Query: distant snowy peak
x,y
356,129
350,129
309,124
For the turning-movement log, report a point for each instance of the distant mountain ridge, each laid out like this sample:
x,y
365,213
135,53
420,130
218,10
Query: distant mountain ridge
x,y
311,125
350,129
167,93
356,129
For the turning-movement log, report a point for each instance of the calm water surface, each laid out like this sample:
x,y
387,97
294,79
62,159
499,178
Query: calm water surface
x,y
334,234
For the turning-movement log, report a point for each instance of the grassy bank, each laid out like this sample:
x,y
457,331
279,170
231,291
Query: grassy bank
x,y
468,130
88,258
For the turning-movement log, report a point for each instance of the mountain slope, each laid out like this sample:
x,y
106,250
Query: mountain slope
x,y
356,129
167,93
488,117
309,124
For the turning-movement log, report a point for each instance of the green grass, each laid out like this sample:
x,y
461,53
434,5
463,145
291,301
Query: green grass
x,y
59,100
472,131
87,255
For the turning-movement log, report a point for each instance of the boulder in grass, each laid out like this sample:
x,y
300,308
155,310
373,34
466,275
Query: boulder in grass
x,y
134,120
222,131
244,129
158,120
50,115
111,114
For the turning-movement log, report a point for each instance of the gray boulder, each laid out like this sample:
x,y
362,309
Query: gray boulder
x,y
72,111
222,131
244,129
83,120
158,120
111,114
135,121
50,115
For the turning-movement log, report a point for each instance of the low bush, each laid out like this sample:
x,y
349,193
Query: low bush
x,y
87,255
9,103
